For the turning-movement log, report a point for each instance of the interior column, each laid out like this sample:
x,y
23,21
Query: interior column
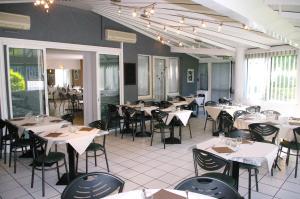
x,y
240,76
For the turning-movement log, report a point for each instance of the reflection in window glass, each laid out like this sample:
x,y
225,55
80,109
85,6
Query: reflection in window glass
x,y
173,76
26,75
143,75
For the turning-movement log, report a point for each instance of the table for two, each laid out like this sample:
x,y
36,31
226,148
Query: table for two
x,y
57,131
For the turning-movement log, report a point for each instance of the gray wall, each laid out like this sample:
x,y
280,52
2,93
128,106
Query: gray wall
x,y
71,25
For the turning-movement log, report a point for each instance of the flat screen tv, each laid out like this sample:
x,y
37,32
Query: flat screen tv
x,y
129,74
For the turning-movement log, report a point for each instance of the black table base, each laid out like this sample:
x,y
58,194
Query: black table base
x,y
27,154
64,180
236,173
143,134
172,140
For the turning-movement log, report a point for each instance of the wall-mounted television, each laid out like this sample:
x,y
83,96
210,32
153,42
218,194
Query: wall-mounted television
x,y
129,73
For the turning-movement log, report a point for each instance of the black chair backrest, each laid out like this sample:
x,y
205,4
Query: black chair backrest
x,y
39,145
155,103
180,98
209,161
93,186
159,115
239,113
224,101
201,95
12,131
139,102
253,109
2,124
148,103
270,112
210,103
128,112
227,121
68,117
165,104
208,186
296,132
259,131
99,124
238,134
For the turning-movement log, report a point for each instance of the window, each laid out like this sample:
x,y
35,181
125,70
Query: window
x,y
173,76
203,77
272,76
144,75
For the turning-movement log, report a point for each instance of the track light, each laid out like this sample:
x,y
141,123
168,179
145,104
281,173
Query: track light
x,y
119,11
165,28
246,27
180,44
181,20
134,14
152,11
220,27
148,25
177,31
203,24
158,37
194,30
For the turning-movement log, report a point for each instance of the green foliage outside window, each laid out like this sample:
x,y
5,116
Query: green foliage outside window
x,y
17,81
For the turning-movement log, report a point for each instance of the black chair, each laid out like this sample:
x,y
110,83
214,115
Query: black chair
x,y
211,162
4,139
270,112
165,104
260,131
239,113
225,101
202,103
158,125
210,187
179,98
41,159
94,147
253,109
226,121
114,119
68,117
130,121
246,135
16,143
291,145
93,185
208,117
139,102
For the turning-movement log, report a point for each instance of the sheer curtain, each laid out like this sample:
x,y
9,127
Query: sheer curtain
x,y
220,83
173,75
143,75
272,76
110,76
63,77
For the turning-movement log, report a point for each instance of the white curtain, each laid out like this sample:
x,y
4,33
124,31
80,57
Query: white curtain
x,y
63,77
109,76
173,76
143,75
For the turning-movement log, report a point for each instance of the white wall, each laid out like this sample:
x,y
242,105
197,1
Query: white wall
x,y
65,63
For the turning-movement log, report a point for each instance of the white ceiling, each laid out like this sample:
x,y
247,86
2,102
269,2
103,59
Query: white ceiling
x,y
232,14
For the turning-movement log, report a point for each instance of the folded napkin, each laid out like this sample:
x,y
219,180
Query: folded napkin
x,y
294,123
28,124
85,129
246,142
56,121
295,118
53,135
222,149
163,194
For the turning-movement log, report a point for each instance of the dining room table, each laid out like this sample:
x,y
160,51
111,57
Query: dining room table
x,y
77,139
175,114
164,193
284,123
248,152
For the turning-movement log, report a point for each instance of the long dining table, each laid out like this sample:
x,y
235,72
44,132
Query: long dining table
x,y
264,152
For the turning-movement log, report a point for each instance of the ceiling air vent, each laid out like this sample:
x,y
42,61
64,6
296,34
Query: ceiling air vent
x,y
119,36
14,21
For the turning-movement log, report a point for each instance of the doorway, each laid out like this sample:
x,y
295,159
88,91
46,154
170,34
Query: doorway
x,y
159,69
220,81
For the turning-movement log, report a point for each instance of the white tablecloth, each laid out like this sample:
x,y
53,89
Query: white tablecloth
x,y
214,111
285,129
182,115
138,107
255,153
44,125
138,194
79,140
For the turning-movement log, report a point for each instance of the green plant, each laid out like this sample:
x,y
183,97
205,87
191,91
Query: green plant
x,y
17,81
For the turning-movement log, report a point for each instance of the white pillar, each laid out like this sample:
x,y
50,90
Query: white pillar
x,y
240,76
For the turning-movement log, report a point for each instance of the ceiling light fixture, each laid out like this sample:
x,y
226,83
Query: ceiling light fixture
x,y
152,11
181,20
149,25
119,11
220,27
180,44
246,27
203,24
44,4
194,30
134,14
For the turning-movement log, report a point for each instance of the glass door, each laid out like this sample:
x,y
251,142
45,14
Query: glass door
x,y
159,78
109,82
220,82
26,80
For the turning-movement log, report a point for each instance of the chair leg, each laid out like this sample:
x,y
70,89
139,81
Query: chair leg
x,y
297,159
249,184
57,169
86,162
1,145
67,172
288,156
10,153
180,135
77,157
5,151
256,180
105,155
205,124
43,179
32,175
164,138
15,160
190,129
95,156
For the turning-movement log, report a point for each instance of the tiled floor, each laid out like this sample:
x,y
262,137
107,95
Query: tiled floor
x,y
151,167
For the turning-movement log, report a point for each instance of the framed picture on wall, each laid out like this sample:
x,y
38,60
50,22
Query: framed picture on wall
x,y
76,74
190,75
129,74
